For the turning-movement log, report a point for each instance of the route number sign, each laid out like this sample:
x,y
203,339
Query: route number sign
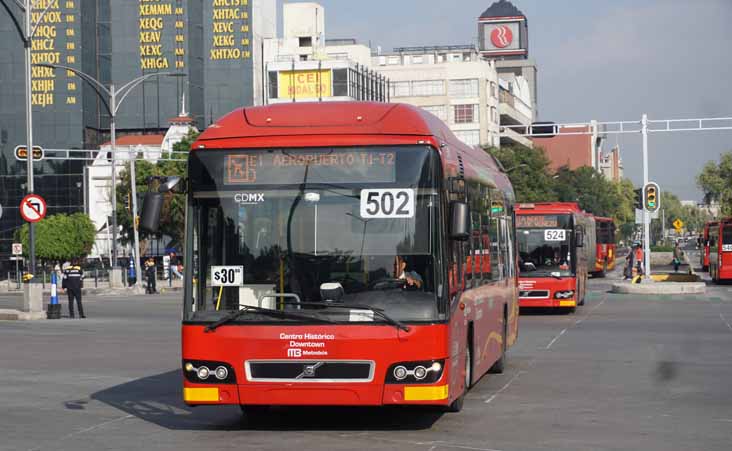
x,y
387,203
33,208
555,235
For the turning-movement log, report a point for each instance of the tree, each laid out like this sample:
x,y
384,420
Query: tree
x,y
715,180
528,170
594,193
61,237
172,218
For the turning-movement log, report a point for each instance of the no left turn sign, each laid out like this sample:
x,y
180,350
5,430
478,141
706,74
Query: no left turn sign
x,y
33,208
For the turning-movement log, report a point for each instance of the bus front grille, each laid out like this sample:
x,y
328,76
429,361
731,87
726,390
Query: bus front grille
x,y
535,294
309,370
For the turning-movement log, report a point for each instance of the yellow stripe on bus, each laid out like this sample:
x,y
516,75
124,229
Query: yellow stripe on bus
x,y
201,394
570,303
425,393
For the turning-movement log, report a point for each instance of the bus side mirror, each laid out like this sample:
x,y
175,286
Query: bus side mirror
x,y
580,238
459,221
152,206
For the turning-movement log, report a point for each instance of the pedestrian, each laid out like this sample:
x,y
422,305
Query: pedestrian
x,y
73,282
151,276
175,267
638,257
628,270
678,255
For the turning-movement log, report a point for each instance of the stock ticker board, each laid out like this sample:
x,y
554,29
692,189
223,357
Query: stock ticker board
x,y
116,41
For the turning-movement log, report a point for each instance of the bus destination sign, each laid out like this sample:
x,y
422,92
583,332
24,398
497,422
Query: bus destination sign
x,y
537,221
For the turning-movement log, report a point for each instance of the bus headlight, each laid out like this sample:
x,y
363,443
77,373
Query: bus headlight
x,y
423,372
564,294
201,372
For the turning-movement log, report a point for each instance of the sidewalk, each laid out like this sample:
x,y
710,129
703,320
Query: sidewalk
x,y
100,288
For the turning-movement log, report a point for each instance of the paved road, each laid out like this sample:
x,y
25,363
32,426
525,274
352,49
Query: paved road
x,y
621,374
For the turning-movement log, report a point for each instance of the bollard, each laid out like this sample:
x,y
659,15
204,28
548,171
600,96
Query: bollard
x,y
54,308
96,278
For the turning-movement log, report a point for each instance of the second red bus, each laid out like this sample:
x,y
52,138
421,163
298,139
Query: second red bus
x,y
720,251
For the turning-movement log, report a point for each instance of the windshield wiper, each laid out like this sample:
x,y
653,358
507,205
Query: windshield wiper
x,y
278,313
377,311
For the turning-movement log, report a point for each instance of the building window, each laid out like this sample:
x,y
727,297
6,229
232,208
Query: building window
x,y
469,137
494,115
399,89
438,110
494,90
340,82
272,85
464,114
392,60
417,59
463,88
428,88
306,41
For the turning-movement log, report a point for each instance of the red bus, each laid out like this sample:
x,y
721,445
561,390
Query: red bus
x,y
606,247
704,254
720,250
556,242
344,253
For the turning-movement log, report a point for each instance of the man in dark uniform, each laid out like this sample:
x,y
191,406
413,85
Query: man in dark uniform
x,y
73,282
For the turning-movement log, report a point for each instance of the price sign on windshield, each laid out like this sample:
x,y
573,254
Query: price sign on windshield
x,y
555,235
227,276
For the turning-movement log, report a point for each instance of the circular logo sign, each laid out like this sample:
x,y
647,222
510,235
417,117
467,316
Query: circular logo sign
x,y
33,208
501,36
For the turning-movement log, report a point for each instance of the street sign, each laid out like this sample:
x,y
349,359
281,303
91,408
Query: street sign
x,y
678,225
21,153
17,248
33,208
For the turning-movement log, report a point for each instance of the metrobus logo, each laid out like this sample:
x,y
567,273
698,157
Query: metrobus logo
x,y
294,352
501,36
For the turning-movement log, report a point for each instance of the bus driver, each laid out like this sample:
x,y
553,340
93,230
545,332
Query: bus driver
x,y
400,272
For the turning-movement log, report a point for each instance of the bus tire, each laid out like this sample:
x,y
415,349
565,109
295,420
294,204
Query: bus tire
x,y
500,365
457,405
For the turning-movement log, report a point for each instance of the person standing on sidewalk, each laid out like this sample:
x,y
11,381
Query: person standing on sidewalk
x,y
638,257
73,282
678,255
150,273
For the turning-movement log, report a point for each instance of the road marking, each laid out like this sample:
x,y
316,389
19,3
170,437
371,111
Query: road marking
x,y
591,310
725,321
556,338
508,384
434,444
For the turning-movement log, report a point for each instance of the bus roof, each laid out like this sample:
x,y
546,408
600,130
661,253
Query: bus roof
x,y
322,124
548,208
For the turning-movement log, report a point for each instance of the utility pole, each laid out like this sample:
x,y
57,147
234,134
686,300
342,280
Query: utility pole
x,y
112,102
646,214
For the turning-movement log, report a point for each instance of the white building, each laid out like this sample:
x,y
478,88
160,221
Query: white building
x,y
515,109
98,175
303,66
453,83
611,164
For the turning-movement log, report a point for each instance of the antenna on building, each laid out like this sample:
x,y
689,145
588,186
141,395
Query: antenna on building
x,y
183,112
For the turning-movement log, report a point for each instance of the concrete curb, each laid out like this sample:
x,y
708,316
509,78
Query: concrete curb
x,y
660,288
13,315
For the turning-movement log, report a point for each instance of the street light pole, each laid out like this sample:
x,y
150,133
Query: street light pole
x,y
646,214
29,127
116,97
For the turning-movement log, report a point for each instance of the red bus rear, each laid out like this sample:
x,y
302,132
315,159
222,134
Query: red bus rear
x,y
720,250
556,241
344,254
704,254
606,247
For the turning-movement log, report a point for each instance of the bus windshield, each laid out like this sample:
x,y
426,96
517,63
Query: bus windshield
x,y
544,243
328,225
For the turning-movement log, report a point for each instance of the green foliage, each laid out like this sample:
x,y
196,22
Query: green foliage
x,y
715,180
172,218
61,237
529,172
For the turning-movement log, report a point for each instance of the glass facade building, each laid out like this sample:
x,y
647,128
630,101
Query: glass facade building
x,y
212,42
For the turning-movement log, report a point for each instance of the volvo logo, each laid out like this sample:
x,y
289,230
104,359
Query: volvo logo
x,y
309,370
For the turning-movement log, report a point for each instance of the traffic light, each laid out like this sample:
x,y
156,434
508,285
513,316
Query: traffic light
x,y
652,197
639,199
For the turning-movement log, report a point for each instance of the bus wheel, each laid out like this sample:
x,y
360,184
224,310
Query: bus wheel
x,y
500,364
457,405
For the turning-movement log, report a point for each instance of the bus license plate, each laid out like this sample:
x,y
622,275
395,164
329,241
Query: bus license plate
x,y
555,235
227,276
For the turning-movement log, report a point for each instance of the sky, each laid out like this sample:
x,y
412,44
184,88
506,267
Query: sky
x,y
597,59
